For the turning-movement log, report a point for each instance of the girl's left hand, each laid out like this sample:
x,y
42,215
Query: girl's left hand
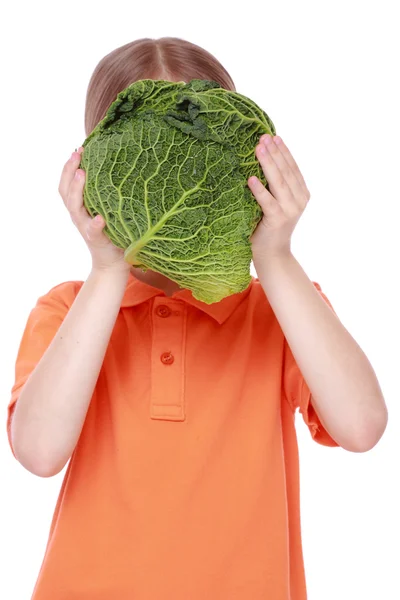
x,y
284,208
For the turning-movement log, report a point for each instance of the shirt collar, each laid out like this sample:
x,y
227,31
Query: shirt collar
x,y
138,292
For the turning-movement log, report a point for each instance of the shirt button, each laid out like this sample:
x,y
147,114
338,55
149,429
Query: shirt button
x,y
163,311
167,358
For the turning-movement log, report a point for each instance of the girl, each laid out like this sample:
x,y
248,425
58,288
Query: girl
x,y
177,417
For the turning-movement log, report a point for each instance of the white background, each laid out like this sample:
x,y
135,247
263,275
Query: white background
x,y
327,75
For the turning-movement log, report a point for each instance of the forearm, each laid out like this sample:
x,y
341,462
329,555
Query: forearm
x,y
345,392
51,409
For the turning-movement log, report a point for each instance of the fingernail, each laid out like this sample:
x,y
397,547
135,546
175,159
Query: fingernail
x,y
262,149
77,174
267,139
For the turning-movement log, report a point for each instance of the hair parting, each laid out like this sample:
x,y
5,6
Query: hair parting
x,y
168,58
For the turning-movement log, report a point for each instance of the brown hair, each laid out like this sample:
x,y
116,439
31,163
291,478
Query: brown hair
x,y
167,58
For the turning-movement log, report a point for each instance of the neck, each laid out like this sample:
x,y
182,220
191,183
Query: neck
x,y
156,280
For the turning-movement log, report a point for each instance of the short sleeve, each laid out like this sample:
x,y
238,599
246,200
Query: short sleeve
x,y
299,395
41,327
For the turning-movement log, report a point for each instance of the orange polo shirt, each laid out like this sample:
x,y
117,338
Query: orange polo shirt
x,y
184,484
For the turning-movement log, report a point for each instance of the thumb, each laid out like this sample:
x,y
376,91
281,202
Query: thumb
x,y
94,230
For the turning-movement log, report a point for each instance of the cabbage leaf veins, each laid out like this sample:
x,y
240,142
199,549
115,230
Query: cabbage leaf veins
x,y
167,168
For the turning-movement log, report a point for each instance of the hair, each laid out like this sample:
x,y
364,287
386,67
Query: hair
x,y
169,58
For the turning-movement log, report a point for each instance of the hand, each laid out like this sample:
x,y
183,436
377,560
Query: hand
x,y
105,255
283,209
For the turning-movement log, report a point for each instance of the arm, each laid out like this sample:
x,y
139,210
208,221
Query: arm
x,y
345,392
51,409
52,406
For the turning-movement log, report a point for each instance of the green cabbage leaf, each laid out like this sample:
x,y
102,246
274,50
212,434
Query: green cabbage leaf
x,y
167,168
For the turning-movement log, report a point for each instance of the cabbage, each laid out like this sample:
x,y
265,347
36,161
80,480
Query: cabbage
x,y
167,168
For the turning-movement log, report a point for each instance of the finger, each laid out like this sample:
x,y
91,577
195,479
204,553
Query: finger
x,y
276,181
268,203
74,200
285,185
68,173
284,150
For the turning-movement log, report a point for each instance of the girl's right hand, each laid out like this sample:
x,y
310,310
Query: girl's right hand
x,y
105,255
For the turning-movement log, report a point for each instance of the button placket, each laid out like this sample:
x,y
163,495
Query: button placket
x,y
167,359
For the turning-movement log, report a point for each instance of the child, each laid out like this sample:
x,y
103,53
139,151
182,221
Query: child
x,y
178,416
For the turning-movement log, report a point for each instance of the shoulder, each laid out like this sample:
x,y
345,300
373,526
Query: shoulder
x,y
62,294
255,301
259,300
258,291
